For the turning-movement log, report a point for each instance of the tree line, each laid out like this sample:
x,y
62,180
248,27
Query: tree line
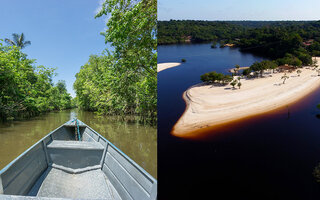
x,y
27,90
178,31
214,77
279,42
287,42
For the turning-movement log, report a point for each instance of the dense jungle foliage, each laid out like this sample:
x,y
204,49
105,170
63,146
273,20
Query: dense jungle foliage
x,y
279,39
214,77
123,81
178,31
27,90
300,40
259,24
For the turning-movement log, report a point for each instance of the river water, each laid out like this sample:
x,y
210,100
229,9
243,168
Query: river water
x,y
269,156
138,141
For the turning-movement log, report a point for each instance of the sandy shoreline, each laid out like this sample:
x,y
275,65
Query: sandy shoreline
x,y
209,105
163,66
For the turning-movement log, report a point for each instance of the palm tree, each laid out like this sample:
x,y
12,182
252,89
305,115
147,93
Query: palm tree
x,y
239,84
299,72
18,40
285,77
314,63
237,68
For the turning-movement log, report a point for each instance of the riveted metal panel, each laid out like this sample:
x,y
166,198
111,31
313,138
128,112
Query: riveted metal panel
x,y
131,168
21,176
130,184
124,194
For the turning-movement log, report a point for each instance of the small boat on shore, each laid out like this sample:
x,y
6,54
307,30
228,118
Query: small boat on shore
x,y
75,162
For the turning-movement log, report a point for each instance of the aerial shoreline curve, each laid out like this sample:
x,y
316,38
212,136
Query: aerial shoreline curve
x,y
208,106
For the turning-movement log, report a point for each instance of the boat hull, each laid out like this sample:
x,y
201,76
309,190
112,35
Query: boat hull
x,y
59,166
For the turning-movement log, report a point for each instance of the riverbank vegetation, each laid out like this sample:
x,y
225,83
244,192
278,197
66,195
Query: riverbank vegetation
x,y
288,44
257,69
277,43
214,77
27,90
123,81
293,41
181,31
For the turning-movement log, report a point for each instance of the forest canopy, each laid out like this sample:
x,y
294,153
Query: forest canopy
x,y
276,39
180,31
27,90
123,81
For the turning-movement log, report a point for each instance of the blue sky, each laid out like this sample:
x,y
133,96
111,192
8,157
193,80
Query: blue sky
x,y
63,33
239,9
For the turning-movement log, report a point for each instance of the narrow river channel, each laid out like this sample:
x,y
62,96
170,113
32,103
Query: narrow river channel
x,y
138,141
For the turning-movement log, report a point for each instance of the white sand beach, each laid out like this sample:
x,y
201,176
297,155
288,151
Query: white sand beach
x,y
209,105
163,66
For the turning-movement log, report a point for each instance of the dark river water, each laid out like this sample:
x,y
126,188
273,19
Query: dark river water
x,y
269,156
138,141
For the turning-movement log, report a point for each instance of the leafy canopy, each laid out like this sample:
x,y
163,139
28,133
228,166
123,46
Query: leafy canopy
x,y
123,81
132,31
27,90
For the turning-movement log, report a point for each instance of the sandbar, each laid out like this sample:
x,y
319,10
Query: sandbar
x,y
208,105
163,66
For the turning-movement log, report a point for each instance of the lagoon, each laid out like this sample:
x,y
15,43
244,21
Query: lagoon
x,y
269,156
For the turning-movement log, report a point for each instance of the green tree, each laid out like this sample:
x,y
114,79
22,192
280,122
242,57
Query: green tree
x,y
258,68
18,40
237,69
26,90
267,64
214,77
226,79
284,77
314,62
239,84
61,85
214,45
205,78
131,30
222,44
246,72
234,83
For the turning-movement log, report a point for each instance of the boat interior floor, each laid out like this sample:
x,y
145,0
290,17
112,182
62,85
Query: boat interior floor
x,y
56,183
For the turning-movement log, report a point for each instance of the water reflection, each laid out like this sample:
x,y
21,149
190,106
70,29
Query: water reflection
x,y
138,141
